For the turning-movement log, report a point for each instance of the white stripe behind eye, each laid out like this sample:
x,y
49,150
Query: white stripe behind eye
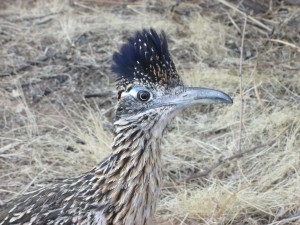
x,y
133,92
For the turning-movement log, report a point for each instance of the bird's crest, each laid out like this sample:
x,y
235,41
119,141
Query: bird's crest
x,y
145,60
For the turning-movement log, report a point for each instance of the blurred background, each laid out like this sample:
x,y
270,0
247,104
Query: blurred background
x,y
237,164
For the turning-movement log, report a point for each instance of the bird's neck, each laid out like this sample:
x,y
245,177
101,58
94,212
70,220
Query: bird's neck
x,y
133,171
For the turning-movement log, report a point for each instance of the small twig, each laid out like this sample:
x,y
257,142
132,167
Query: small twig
x,y
234,23
285,43
222,161
258,23
30,18
99,95
9,146
286,220
27,64
241,85
255,86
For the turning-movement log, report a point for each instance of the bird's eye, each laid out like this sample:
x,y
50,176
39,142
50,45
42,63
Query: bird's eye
x,y
143,95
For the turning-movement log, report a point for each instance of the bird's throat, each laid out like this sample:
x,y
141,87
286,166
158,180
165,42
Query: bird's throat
x,y
133,172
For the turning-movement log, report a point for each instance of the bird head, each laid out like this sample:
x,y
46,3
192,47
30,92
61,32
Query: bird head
x,y
148,82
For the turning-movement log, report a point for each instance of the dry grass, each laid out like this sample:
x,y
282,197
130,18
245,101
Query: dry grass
x,y
54,53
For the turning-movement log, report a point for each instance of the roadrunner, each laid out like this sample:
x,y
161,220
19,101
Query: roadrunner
x,y
124,188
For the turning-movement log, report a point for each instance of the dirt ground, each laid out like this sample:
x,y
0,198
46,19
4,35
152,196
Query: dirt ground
x,y
236,164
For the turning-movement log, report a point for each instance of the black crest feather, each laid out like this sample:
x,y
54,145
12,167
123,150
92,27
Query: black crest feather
x,y
145,59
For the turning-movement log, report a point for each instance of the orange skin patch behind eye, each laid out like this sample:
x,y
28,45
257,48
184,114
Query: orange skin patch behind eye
x,y
122,92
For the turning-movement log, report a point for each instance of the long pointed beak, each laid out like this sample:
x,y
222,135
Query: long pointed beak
x,y
195,95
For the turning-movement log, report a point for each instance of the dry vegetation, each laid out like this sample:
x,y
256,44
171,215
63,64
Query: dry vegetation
x,y
57,97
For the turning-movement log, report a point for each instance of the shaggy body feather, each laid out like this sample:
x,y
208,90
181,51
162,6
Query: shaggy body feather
x,y
103,193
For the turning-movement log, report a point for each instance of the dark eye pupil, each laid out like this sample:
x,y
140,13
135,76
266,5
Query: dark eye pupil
x,y
143,95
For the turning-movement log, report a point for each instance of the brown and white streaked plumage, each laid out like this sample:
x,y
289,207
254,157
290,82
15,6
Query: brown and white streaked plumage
x,y
125,187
